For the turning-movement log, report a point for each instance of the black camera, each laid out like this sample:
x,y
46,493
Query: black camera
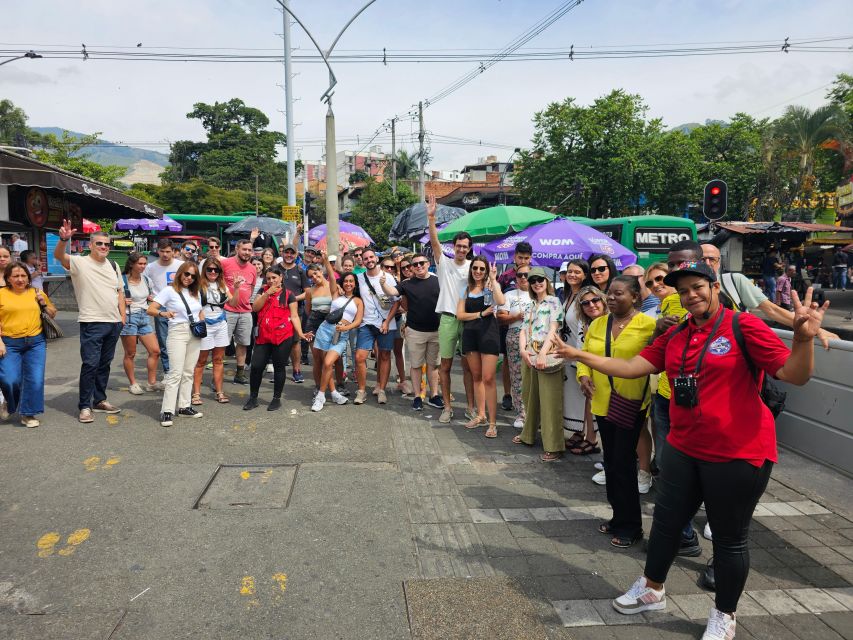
x,y
685,391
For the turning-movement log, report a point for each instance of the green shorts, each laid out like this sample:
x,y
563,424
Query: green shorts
x,y
449,336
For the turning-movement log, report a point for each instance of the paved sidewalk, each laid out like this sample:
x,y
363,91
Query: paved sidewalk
x,y
359,522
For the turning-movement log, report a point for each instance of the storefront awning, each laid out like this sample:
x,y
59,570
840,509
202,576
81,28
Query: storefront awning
x,y
779,227
17,170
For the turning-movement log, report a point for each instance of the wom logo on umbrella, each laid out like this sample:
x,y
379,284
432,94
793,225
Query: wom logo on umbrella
x,y
557,242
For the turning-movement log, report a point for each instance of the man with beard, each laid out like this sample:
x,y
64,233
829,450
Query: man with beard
x,y
239,272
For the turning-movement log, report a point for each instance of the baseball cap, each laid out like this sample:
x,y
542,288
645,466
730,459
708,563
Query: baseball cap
x,y
564,267
312,250
537,271
690,268
333,258
289,247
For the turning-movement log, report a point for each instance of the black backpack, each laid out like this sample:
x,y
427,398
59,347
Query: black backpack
x,y
770,392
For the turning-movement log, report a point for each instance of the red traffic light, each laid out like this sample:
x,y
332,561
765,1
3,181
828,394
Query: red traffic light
x,y
715,191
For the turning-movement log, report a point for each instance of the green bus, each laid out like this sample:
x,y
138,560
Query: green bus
x,y
207,225
648,237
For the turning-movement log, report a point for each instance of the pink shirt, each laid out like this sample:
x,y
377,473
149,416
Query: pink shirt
x,y
232,267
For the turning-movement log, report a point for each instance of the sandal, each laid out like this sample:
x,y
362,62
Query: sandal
x,y
551,456
221,398
476,421
196,399
604,528
492,431
585,448
624,543
574,441
518,440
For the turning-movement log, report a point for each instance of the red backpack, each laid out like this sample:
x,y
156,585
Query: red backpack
x,y
274,325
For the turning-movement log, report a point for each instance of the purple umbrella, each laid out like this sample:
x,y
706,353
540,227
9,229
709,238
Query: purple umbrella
x,y
557,241
317,233
148,224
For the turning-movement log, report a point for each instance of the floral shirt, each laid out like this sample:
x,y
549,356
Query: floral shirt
x,y
537,322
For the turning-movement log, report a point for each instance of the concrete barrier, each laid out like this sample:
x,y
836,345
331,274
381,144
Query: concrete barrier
x,y
818,417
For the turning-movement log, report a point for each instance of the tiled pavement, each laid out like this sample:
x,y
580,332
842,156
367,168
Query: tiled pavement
x,y
487,510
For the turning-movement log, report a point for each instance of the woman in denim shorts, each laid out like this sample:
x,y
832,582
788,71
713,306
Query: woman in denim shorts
x,y
139,292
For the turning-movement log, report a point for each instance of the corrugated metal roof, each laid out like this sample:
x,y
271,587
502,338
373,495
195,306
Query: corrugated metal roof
x,y
779,227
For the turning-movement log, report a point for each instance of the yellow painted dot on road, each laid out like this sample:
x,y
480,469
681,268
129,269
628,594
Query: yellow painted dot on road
x,y
78,537
46,544
247,586
281,579
245,475
112,420
111,462
91,463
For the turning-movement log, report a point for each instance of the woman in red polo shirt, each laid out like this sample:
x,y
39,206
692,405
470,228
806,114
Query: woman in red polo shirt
x,y
722,444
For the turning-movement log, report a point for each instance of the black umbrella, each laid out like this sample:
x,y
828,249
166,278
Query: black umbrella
x,y
266,225
412,222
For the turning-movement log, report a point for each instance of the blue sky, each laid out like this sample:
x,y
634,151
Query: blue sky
x,y
146,102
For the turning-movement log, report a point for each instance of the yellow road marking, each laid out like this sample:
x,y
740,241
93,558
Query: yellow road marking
x,y
245,475
76,538
111,462
91,463
247,587
281,579
112,420
46,544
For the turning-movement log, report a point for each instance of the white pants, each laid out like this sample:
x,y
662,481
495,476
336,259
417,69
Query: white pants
x,y
183,350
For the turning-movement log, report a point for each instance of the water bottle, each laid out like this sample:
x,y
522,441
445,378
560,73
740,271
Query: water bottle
x,y
488,299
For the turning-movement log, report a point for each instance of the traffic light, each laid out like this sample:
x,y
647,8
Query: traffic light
x,y
716,199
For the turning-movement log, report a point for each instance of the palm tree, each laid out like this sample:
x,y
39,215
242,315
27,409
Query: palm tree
x,y
407,166
802,132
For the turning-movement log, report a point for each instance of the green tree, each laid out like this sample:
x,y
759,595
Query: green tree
x,y
198,197
65,152
375,209
407,166
13,125
239,147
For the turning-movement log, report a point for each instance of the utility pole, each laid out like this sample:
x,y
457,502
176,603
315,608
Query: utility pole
x,y
305,225
394,156
421,151
288,98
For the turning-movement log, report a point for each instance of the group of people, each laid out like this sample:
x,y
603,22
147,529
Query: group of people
x,y
643,363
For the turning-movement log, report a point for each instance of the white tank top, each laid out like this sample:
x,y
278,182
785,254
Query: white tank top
x,y
349,312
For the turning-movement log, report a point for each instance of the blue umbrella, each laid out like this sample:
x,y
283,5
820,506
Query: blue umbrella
x,y
557,241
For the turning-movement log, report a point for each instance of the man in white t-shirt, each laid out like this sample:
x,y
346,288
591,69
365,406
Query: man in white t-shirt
x,y
377,327
162,272
19,245
452,278
99,290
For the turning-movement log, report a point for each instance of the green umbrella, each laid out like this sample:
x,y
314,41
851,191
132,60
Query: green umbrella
x,y
495,222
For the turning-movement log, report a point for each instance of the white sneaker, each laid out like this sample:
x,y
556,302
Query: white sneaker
x,y
339,398
706,532
644,481
30,422
135,389
319,402
381,398
599,466
4,411
600,478
360,396
640,598
721,626
269,368
519,423
446,415
157,386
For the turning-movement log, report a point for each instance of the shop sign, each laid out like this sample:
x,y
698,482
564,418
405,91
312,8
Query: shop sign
x,y
659,239
37,207
291,213
844,193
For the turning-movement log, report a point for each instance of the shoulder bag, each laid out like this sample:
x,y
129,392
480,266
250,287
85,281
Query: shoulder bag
x,y
197,327
334,317
622,411
49,327
385,302
553,362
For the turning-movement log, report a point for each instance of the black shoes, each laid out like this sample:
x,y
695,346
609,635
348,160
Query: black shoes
x,y
274,404
707,579
689,547
165,419
189,412
506,403
251,403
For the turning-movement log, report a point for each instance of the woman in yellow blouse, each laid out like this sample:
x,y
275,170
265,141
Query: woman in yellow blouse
x,y
619,420
22,348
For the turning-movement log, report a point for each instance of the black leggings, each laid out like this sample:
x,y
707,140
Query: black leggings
x,y
730,491
620,469
261,355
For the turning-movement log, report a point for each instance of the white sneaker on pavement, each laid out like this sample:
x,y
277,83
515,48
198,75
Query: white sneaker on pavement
x,y
644,481
446,415
721,626
639,598
339,398
381,398
599,466
519,423
319,402
360,396
706,532
600,478
135,389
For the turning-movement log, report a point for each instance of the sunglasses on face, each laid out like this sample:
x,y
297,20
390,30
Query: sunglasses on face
x,y
519,276
599,269
654,281
387,266
405,266
420,263
101,244
590,301
190,275
478,269
213,270
536,280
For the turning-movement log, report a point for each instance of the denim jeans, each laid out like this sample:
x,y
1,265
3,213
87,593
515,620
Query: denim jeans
x,y
22,369
97,348
769,287
839,278
161,328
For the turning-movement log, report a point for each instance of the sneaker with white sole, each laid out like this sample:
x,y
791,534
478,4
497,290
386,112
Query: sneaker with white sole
x,y
644,481
381,397
600,478
319,402
721,626
339,398
640,597
136,389
30,422
599,466
446,415
360,397
155,386
4,411
706,532
519,423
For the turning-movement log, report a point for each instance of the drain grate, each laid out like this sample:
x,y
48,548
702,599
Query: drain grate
x,y
249,486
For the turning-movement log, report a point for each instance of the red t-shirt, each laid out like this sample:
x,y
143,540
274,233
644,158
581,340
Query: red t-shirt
x,y
232,267
730,422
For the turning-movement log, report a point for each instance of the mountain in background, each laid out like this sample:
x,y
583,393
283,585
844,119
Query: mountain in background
x,y
689,126
111,153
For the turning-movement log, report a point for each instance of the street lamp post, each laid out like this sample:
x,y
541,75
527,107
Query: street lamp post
x,y
29,54
502,197
332,222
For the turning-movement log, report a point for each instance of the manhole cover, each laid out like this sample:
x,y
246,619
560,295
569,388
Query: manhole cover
x,y
249,486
